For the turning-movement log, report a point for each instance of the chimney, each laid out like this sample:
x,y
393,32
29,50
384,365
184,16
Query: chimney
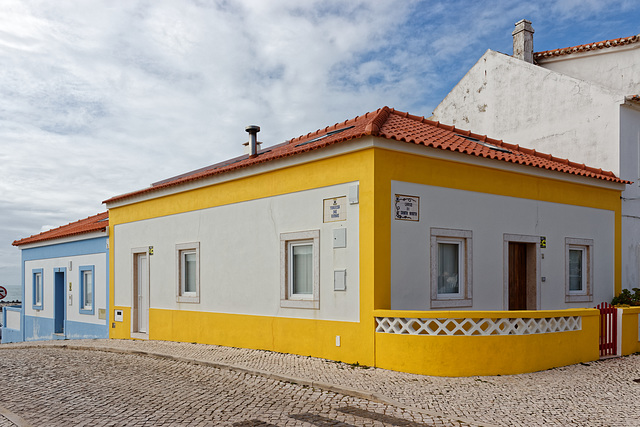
x,y
523,41
253,140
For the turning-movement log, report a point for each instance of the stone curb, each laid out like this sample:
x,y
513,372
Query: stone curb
x,y
15,419
335,388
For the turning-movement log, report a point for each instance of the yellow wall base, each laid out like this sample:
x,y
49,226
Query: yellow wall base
x,y
315,338
459,356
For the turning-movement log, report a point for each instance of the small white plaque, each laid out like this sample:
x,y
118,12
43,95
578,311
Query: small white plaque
x,y
407,207
118,317
335,209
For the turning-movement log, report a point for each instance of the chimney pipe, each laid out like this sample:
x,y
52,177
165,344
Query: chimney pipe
x,y
253,139
523,41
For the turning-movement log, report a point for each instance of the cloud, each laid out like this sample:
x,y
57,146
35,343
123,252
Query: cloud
x,y
98,98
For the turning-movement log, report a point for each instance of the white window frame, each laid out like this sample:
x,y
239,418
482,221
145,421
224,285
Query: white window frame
x,y
586,293
38,288
181,250
464,296
84,308
287,298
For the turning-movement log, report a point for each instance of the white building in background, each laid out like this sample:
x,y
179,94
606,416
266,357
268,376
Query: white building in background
x,y
580,103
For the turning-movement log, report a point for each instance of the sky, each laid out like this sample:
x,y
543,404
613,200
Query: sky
x,y
99,98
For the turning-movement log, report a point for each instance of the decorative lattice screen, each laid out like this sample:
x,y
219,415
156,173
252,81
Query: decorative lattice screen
x,y
483,326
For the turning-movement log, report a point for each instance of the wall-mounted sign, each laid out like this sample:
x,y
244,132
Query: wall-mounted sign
x,y
335,209
150,250
407,207
543,242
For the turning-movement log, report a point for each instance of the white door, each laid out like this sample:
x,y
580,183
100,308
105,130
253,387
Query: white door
x,y
141,294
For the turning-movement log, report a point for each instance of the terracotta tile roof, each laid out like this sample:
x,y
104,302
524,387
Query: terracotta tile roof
x,y
393,125
97,222
587,47
634,98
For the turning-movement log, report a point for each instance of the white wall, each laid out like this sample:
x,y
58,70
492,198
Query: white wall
x,y
489,217
73,277
240,255
521,103
630,163
615,68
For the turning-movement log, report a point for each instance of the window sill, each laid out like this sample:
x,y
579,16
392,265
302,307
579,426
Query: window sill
x,y
193,300
300,303
578,298
444,303
87,311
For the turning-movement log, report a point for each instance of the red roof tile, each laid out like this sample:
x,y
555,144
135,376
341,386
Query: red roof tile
x,y
97,222
393,125
587,47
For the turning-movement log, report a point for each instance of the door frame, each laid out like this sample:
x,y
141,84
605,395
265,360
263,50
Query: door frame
x,y
135,252
534,259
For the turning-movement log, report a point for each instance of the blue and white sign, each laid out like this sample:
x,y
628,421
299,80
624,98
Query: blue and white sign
x,y
407,208
335,209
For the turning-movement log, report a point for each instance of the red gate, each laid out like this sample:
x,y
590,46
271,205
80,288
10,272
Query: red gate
x,y
608,329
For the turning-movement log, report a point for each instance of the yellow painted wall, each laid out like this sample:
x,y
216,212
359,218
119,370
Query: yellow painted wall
x,y
374,168
392,165
630,332
487,355
299,336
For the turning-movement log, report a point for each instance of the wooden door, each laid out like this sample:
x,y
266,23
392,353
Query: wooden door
x,y
517,276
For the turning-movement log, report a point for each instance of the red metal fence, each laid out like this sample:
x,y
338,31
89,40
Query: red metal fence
x,y
608,329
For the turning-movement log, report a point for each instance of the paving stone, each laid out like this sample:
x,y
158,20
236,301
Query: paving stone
x,y
601,393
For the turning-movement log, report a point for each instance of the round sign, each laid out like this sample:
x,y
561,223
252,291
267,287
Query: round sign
x,y
3,292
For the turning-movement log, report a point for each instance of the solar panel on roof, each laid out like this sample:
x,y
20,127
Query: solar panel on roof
x,y
486,144
333,132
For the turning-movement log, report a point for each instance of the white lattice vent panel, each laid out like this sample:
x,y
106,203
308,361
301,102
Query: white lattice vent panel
x,y
483,326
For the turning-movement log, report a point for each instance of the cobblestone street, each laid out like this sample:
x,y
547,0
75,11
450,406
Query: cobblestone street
x,y
124,382
57,386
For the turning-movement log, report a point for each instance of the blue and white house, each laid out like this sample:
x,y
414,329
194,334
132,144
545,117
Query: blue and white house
x,y
65,280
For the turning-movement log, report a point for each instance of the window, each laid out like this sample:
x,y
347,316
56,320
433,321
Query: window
x,y
87,288
300,269
578,270
38,289
451,268
188,272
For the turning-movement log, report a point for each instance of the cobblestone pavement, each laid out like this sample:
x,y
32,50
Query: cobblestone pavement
x,y
64,387
601,393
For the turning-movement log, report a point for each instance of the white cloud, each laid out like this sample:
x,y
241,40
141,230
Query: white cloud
x,y
98,98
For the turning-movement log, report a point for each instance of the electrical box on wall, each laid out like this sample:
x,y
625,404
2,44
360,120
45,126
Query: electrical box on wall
x,y
340,280
339,237
354,189
117,316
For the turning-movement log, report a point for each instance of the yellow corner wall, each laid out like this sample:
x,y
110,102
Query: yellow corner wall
x,y
630,332
401,166
459,356
298,336
374,168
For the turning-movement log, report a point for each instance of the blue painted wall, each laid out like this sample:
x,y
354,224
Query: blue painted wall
x,y
42,328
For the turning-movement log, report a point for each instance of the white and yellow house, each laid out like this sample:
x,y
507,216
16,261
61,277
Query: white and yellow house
x,y
388,240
